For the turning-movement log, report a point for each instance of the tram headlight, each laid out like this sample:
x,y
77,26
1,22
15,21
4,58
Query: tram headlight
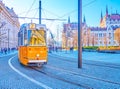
x,y
37,55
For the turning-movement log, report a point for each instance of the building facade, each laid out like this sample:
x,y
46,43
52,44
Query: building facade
x,y
107,34
70,35
9,27
108,31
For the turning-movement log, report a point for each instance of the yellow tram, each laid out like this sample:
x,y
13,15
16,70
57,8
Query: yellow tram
x,y
32,50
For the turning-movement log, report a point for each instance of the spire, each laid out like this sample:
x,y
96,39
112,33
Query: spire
x,y
84,20
106,10
116,12
69,19
101,17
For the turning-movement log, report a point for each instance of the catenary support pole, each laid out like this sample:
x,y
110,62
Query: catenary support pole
x,y
39,11
79,33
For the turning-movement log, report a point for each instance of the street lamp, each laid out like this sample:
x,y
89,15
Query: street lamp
x,y
66,40
8,38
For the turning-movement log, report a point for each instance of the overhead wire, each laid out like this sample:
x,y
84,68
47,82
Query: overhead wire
x,y
76,9
50,12
70,11
27,11
44,13
51,24
36,13
57,16
91,2
30,8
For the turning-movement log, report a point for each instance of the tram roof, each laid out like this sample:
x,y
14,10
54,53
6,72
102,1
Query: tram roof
x,y
37,26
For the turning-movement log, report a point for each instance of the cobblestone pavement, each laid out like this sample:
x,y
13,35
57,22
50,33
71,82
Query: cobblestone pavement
x,y
9,79
61,67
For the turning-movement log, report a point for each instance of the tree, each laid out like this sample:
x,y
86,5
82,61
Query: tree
x,y
88,37
117,36
93,40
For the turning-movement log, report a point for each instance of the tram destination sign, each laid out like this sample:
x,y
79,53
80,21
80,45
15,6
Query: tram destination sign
x,y
32,26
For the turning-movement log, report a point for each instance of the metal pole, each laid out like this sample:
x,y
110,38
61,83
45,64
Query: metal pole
x,y
66,39
0,39
79,33
58,35
66,43
8,39
39,11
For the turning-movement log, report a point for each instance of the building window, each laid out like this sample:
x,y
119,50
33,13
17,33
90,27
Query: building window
x,y
104,34
109,35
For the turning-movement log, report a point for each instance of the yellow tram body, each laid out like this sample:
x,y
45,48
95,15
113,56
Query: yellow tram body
x,y
32,45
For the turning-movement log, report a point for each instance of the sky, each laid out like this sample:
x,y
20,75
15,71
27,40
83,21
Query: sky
x,y
62,9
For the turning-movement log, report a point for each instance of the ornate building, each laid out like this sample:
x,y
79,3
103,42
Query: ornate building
x,y
107,34
9,27
111,22
69,34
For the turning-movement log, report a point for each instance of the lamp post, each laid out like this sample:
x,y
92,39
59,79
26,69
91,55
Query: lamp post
x,y
8,38
66,41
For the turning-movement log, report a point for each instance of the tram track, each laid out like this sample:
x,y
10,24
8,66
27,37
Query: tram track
x,y
86,86
63,70
61,79
83,75
113,66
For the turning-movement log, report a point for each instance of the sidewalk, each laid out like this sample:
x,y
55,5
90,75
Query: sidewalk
x,y
8,53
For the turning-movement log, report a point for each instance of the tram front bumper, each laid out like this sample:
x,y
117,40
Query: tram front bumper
x,y
37,61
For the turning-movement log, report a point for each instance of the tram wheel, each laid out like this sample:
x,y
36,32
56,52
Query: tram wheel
x,y
39,65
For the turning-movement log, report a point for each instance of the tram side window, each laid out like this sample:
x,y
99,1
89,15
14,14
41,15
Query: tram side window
x,y
25,37
19,39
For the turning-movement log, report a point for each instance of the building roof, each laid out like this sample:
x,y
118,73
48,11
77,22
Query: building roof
x,y
72,26
98,29
115,27
114,16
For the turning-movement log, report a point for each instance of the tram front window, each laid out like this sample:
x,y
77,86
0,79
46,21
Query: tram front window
x,y
36,38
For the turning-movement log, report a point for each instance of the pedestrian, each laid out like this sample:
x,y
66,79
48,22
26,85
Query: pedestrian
x,y
5,50
1,50
71,49
56,49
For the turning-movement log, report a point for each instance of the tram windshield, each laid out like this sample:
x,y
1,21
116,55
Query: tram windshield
x,y
36,38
